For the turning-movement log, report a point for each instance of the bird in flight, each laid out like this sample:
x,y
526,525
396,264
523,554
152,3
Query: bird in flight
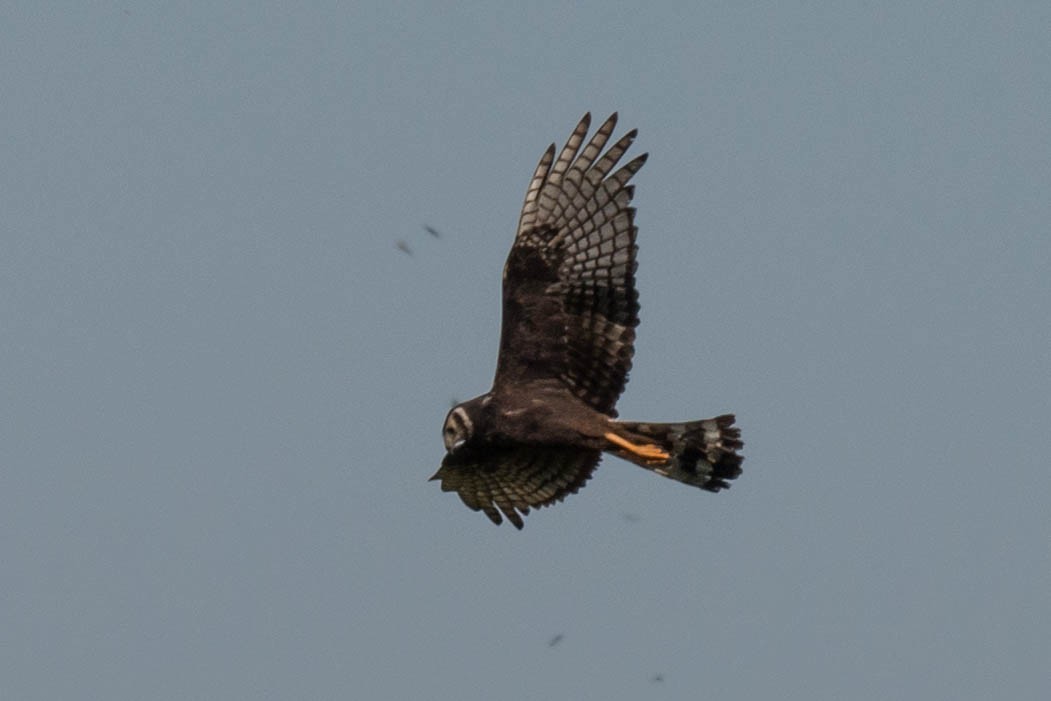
x,y
570,309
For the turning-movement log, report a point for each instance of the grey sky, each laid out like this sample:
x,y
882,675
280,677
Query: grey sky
x,y
222,385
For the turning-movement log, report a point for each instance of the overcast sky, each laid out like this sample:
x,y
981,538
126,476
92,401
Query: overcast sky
x,y
222,382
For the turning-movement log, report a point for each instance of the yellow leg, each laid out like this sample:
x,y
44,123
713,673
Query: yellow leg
x,y
645,450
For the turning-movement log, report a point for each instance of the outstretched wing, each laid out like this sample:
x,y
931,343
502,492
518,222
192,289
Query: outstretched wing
x,y
570,305
514,479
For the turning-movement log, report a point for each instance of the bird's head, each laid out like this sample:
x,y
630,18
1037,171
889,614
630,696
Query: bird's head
x,y
460,422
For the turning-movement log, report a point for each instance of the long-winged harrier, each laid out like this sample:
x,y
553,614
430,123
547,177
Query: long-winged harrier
x,y
569,316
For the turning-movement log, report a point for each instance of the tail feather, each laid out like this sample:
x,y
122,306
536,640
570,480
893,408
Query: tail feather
x,y
703,453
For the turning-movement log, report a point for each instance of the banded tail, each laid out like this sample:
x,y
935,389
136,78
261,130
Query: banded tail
x,y
702,453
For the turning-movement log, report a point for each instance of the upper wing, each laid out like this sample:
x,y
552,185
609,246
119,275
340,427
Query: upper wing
x,y
514,479
570,305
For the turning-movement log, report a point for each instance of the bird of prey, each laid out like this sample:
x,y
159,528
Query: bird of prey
x,y
570,309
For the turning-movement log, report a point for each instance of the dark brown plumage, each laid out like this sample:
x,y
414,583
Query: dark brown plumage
x,y
569,315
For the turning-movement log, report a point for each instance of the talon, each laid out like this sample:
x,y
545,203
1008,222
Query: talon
x,y
648,451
